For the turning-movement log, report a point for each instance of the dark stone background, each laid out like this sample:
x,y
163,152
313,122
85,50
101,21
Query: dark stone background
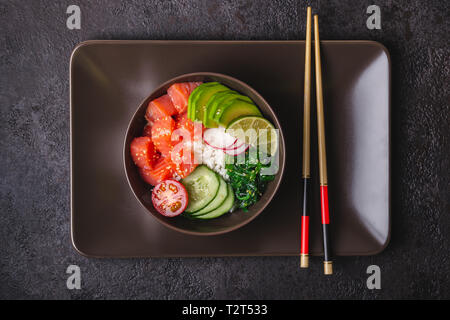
x,y
35,246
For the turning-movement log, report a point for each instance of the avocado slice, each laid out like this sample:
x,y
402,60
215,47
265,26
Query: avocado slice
x,y
203,97
217,113
238,108
218,99
194,95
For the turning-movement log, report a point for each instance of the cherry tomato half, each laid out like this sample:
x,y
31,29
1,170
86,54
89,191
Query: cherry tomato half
x,y
170,198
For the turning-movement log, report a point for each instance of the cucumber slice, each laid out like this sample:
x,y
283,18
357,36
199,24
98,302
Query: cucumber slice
x,y
217,201
202,186
224,207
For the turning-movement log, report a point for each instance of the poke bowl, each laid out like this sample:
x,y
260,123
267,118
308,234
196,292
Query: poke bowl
x,y
189,160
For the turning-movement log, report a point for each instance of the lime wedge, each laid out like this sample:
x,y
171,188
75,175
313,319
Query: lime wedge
x,y
255,131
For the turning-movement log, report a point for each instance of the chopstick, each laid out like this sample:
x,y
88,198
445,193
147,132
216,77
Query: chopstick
x,y
304,250
328,264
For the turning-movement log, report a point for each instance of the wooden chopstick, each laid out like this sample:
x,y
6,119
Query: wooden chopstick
x,y
328,264
304,251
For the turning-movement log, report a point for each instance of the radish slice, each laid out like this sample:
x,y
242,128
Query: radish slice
x,y
217,138
235,152
234,146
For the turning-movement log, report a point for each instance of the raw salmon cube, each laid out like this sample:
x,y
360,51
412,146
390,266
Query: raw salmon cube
x,y
162,135
147,132
162,170
160,108
183,159
194,129
143,152
180,92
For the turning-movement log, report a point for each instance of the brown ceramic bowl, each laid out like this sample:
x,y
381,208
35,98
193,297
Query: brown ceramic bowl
x,y
229,221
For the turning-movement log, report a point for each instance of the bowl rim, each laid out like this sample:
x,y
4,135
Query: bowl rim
x,y
281,143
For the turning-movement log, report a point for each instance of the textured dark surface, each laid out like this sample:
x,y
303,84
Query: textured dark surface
x,y
35,246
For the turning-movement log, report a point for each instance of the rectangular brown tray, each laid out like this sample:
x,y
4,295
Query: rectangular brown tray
x,y
108,81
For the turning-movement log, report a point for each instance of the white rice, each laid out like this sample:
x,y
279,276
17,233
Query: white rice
x,y
211,157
